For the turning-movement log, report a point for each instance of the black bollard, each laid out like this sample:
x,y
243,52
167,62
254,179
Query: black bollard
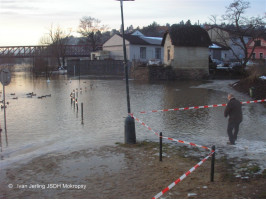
x,y
82,113
74,99
212,164
161,147
130,132
71,98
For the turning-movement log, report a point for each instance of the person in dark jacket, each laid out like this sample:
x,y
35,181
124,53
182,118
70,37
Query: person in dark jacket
x,y
234,111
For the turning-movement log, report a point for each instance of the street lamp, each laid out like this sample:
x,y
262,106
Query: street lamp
x,y
130,133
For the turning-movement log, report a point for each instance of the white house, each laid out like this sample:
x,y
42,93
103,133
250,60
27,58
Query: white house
x,y
139,47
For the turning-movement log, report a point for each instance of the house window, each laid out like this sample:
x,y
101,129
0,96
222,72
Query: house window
x,y
261,55
168,54
253,55
258,43
143,52
158,53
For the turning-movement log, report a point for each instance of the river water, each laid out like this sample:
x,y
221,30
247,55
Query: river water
x,y
36,126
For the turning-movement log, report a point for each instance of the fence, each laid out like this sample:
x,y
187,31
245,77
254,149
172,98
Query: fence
x,y
96,67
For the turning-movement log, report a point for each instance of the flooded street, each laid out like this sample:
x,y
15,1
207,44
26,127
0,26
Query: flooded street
x,y
41,126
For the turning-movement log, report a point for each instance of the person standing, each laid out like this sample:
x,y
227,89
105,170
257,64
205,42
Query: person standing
x,y
234,111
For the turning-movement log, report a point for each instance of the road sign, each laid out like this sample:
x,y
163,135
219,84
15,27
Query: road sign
x,y
5,77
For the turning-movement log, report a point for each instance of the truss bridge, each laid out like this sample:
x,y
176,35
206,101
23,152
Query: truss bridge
x,y
44,51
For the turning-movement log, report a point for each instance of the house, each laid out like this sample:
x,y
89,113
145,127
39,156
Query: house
x,y
139,48
186,50
259,52
228,39
219,52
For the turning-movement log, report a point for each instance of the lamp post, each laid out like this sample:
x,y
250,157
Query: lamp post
x,y
130,133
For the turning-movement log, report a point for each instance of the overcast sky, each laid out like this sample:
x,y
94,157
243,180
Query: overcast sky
x,y
24,22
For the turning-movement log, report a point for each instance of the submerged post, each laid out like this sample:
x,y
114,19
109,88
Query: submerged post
x,y
212,164
81,113
4,101
161,146
74,97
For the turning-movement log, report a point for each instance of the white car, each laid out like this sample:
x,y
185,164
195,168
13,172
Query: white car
x,y
156,62
250,63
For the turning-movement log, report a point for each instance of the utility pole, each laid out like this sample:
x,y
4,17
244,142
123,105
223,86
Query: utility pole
x,y
130,133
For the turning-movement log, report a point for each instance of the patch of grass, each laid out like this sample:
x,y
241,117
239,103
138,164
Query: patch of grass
x,y
145,144
254,169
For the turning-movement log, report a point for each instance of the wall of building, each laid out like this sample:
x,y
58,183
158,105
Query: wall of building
x,y
258,49
115,46
218,35
150,52
191,62
168,46
191,57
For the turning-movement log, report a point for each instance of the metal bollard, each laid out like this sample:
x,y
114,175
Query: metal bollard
x,y
82,113
161,147
71,98
74,98
212,164
77,104
130,132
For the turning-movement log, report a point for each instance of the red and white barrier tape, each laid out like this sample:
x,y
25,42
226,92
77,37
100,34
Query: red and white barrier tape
x,y
168,138
182,177
199,107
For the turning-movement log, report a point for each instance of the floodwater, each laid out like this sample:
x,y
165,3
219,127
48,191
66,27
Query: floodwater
x,y
37,127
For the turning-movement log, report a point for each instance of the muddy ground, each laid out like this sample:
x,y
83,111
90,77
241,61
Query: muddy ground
x,y
131,171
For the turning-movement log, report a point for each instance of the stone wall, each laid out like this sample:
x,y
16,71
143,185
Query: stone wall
x,y
152,73
167,73
193,74
139,73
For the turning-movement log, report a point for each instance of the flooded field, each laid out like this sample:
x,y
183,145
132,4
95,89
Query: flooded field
x,y
50,125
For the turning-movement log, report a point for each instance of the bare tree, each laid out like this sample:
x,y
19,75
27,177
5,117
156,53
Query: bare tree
x,y
57,39
239,29
91,29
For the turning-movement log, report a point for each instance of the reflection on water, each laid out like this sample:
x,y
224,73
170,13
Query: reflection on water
x,y
39,126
